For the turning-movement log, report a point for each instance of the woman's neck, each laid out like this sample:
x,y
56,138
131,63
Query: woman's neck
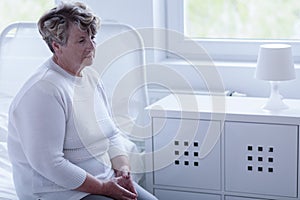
x,y
70,69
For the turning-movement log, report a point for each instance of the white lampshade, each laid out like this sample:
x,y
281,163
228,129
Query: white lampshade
x,y
275,63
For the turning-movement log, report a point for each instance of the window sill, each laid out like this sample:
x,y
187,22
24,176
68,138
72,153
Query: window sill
x,y
218,64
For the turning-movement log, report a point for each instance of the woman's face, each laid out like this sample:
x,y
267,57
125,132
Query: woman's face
x,y
79,51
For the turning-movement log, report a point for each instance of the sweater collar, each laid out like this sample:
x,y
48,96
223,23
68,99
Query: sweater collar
x,y
53,66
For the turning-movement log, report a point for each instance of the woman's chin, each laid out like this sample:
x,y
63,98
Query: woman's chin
x,y
88,61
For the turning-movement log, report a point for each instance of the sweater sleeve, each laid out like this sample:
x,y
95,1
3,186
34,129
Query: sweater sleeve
x,y
117,146
39,119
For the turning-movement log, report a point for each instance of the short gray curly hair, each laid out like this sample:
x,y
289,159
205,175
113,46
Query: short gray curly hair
x,y
54,24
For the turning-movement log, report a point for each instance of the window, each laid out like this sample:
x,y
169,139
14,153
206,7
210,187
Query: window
x,y
22,10
234,29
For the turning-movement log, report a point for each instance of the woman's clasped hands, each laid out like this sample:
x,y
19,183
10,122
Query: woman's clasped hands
x,y
120,187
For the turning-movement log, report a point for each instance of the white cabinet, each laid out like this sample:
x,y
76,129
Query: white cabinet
x,y
251,154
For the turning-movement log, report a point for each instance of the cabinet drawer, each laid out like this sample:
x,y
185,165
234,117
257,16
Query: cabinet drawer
x,y
241,198
261,158
177,161
177,195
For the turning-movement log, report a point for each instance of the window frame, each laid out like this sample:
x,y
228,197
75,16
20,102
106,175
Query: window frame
x,y
228,50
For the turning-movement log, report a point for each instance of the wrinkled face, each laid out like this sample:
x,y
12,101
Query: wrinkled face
x,y
79,51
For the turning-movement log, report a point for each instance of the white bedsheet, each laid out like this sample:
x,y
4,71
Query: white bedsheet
x,y
7,190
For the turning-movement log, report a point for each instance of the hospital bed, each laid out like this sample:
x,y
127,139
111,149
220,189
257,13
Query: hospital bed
x,y
120,60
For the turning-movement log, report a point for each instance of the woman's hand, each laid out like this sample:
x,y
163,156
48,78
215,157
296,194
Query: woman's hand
x,y
126,182
119,188
122,173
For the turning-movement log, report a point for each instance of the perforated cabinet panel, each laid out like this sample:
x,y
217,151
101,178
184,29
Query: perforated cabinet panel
x,y
261,158
177,144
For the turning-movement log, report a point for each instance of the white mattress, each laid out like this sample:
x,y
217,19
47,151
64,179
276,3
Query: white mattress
x,y
7,191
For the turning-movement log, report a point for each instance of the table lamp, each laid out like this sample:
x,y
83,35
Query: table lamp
x,y
275,64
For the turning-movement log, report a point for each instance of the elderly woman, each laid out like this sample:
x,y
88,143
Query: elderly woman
x,y
62,141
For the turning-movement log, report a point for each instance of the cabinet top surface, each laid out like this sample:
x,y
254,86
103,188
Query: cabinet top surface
x,y
223,105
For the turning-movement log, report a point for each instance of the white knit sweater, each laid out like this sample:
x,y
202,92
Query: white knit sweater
x,y
59,129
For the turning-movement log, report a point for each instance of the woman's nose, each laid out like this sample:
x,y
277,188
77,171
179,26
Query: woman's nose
x,y
91,44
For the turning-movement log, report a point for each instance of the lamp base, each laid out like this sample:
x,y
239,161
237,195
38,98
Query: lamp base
x,y
275,102
274,105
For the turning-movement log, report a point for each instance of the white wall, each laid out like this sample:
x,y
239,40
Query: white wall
x,y
150,13
241,79
137,13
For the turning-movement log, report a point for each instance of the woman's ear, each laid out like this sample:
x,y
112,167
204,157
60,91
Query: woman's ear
x,y
56,47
